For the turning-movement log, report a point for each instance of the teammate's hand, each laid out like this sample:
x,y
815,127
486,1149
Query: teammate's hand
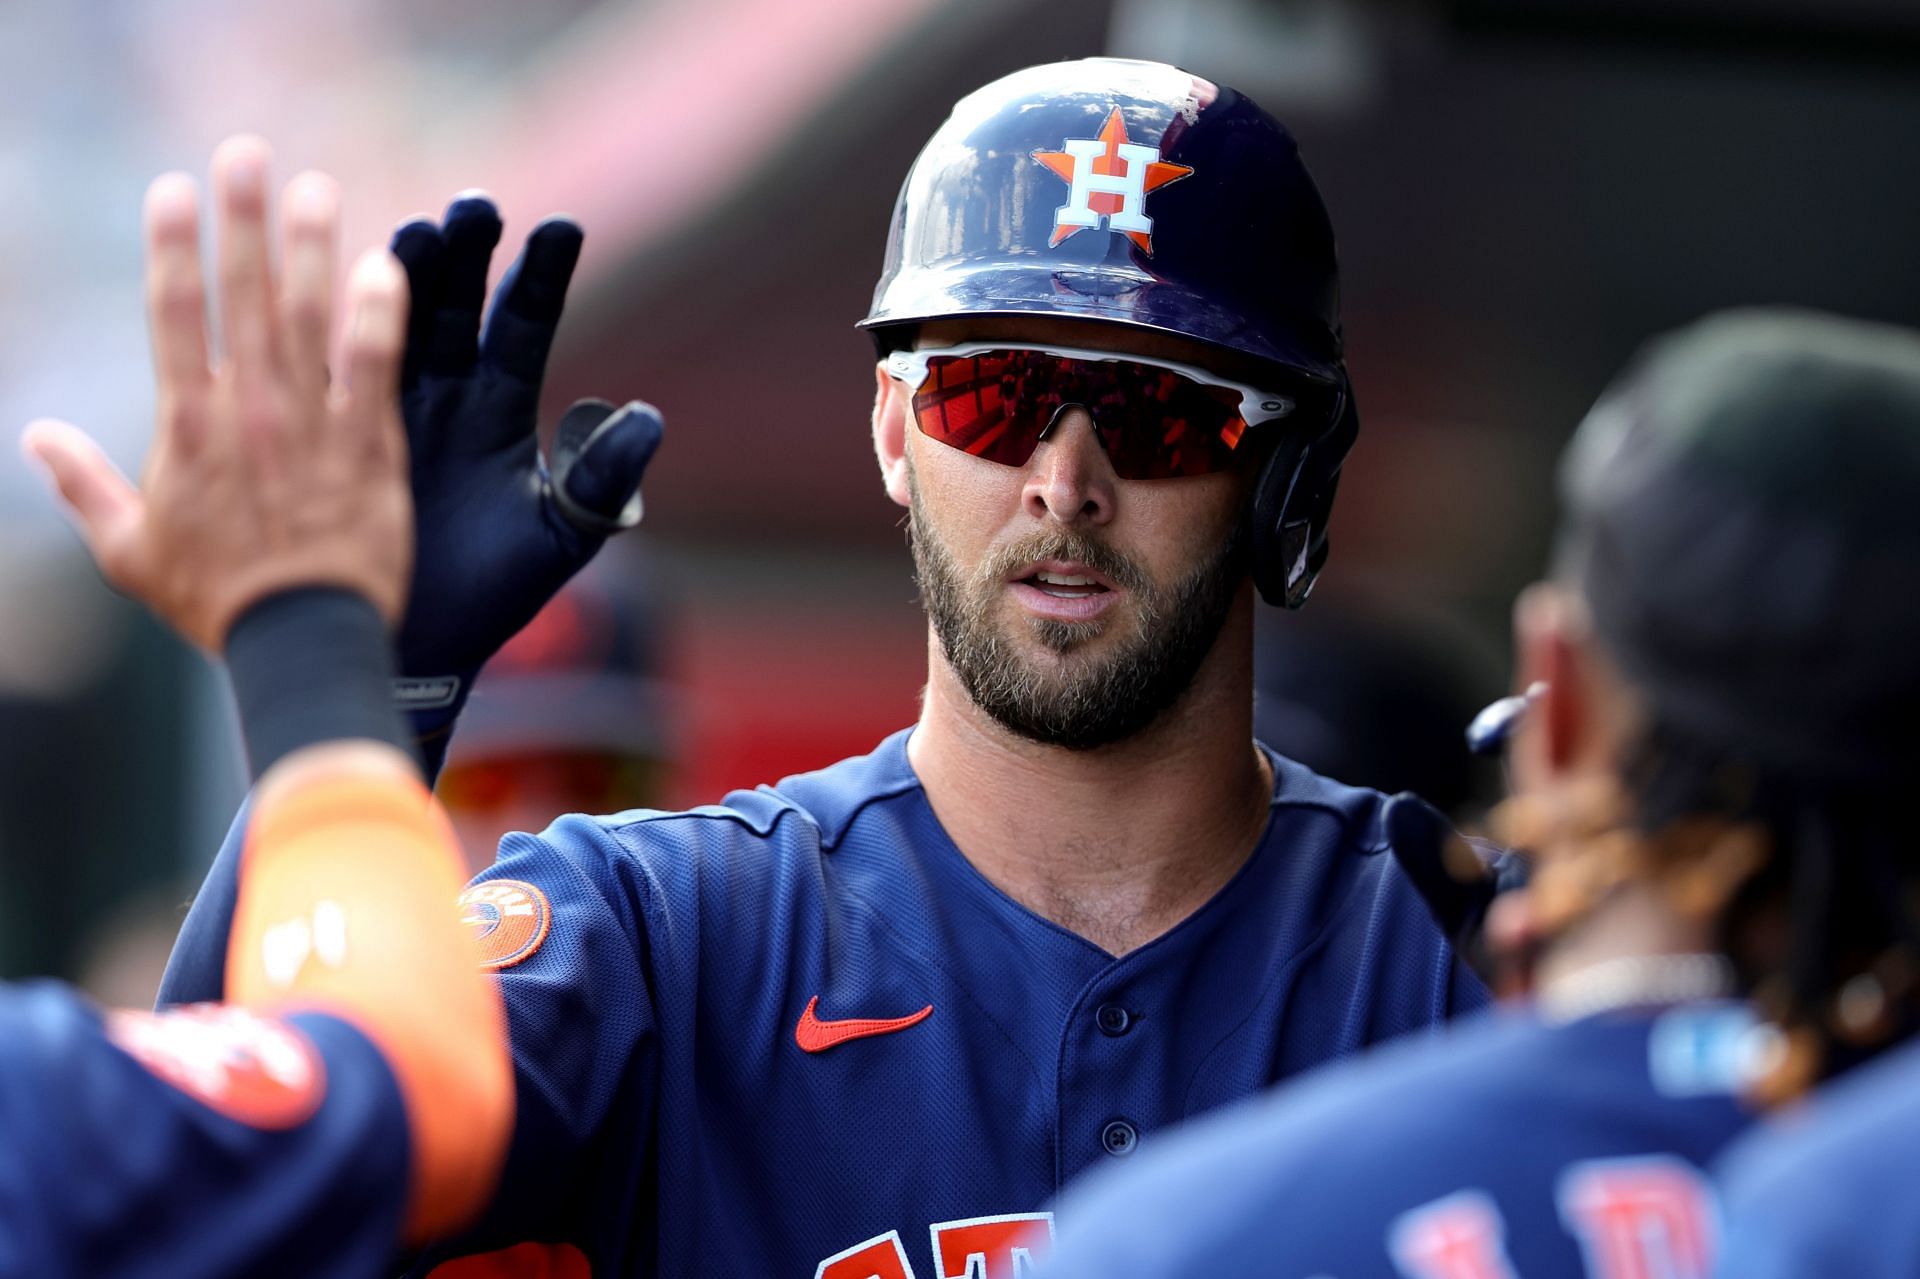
x,y
498,532
265,473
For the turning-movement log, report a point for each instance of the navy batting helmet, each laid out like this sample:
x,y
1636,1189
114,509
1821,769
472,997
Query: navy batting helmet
x,y
1137,194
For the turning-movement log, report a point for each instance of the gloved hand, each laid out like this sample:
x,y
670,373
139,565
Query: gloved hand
x,y
498,532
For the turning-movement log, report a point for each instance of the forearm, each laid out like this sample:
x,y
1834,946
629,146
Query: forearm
x,y
347,885
309,667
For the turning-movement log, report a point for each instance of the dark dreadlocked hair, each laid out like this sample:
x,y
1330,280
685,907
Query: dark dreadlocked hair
x,y
1823,934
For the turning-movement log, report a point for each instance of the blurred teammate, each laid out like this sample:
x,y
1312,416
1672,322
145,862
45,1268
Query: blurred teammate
x,y
1710,782
573,715
355,1096
1375,699
1831,1188
867,1021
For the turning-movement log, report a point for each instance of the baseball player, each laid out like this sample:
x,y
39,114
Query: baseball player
x,y
867,1021
1709,776
1829,1189
356,1095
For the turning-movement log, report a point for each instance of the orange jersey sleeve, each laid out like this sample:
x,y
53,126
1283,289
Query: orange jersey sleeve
x,y
347,905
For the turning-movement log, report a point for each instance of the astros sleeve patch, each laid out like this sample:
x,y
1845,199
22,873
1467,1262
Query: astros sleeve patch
x,y
509,919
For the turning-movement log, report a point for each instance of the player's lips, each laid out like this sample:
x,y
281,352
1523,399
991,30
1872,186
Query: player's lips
x,y
1063,590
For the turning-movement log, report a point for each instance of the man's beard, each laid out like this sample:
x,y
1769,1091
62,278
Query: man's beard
x,y
1086,702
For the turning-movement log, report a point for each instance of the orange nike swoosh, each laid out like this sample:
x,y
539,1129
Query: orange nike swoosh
x,y
816,1036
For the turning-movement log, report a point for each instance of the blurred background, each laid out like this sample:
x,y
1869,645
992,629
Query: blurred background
x,y
1523,191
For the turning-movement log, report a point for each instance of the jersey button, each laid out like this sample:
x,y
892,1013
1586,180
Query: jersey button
x,y
1113,1020
1119,1138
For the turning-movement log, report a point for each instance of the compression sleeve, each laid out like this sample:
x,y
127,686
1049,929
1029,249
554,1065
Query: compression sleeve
x,y
347,905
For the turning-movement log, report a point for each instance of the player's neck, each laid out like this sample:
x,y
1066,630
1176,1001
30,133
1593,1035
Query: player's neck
x,y
1117,844
1637,921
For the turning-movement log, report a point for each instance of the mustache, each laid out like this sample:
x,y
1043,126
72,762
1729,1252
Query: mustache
x,y
1061,544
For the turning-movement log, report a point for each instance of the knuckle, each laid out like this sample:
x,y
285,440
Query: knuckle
x,y
180,297
239,267
310,225
307,311
185,413
373,349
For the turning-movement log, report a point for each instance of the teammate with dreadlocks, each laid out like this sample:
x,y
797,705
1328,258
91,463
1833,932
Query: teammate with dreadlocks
x,y
1720,694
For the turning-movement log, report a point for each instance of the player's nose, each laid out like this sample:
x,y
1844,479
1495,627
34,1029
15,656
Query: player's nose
x,y
1069,478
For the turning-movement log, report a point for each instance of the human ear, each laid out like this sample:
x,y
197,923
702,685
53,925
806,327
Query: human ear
x,y
890,434
1554,738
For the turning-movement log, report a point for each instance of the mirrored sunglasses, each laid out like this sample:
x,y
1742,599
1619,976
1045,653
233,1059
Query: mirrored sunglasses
x,y
1156,419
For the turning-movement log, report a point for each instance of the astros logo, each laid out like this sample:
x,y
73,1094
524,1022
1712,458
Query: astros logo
x,y
509,919
1109,177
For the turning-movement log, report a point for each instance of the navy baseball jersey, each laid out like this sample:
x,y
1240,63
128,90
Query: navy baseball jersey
x,y
209,1141
799,1034
1832,1188
1512,1149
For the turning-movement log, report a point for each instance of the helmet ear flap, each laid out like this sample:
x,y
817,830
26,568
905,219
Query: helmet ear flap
x,y
1292,504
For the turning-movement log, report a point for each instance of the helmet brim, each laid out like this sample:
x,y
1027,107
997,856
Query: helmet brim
x,y
1122,297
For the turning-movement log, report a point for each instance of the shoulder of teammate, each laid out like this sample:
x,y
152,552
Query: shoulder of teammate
x,y
1296,1172
290,1130
1830,1187
1392,860
1420,1140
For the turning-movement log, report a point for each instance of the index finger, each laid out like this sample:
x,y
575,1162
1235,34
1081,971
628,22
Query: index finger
x,y
176,290
527,306
377,301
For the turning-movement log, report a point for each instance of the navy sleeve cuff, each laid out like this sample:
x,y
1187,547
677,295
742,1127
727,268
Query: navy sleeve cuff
x,y
312,665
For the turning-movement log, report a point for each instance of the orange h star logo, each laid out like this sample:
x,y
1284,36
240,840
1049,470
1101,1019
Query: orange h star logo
x,y
1109,177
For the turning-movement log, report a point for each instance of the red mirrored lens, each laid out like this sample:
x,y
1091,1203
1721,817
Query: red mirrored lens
x,y
1154,423
964,403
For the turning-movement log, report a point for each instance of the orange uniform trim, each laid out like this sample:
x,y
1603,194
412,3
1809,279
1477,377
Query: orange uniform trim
x,y
347,905
522,1261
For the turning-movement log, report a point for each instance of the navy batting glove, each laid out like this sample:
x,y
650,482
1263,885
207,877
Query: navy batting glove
x,y
499,531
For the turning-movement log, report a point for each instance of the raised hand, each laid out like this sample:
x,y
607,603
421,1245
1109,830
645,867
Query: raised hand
x,y
265,473
499,533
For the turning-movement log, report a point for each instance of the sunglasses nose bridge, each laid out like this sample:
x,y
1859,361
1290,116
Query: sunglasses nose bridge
x,y
1059,412
1072,478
